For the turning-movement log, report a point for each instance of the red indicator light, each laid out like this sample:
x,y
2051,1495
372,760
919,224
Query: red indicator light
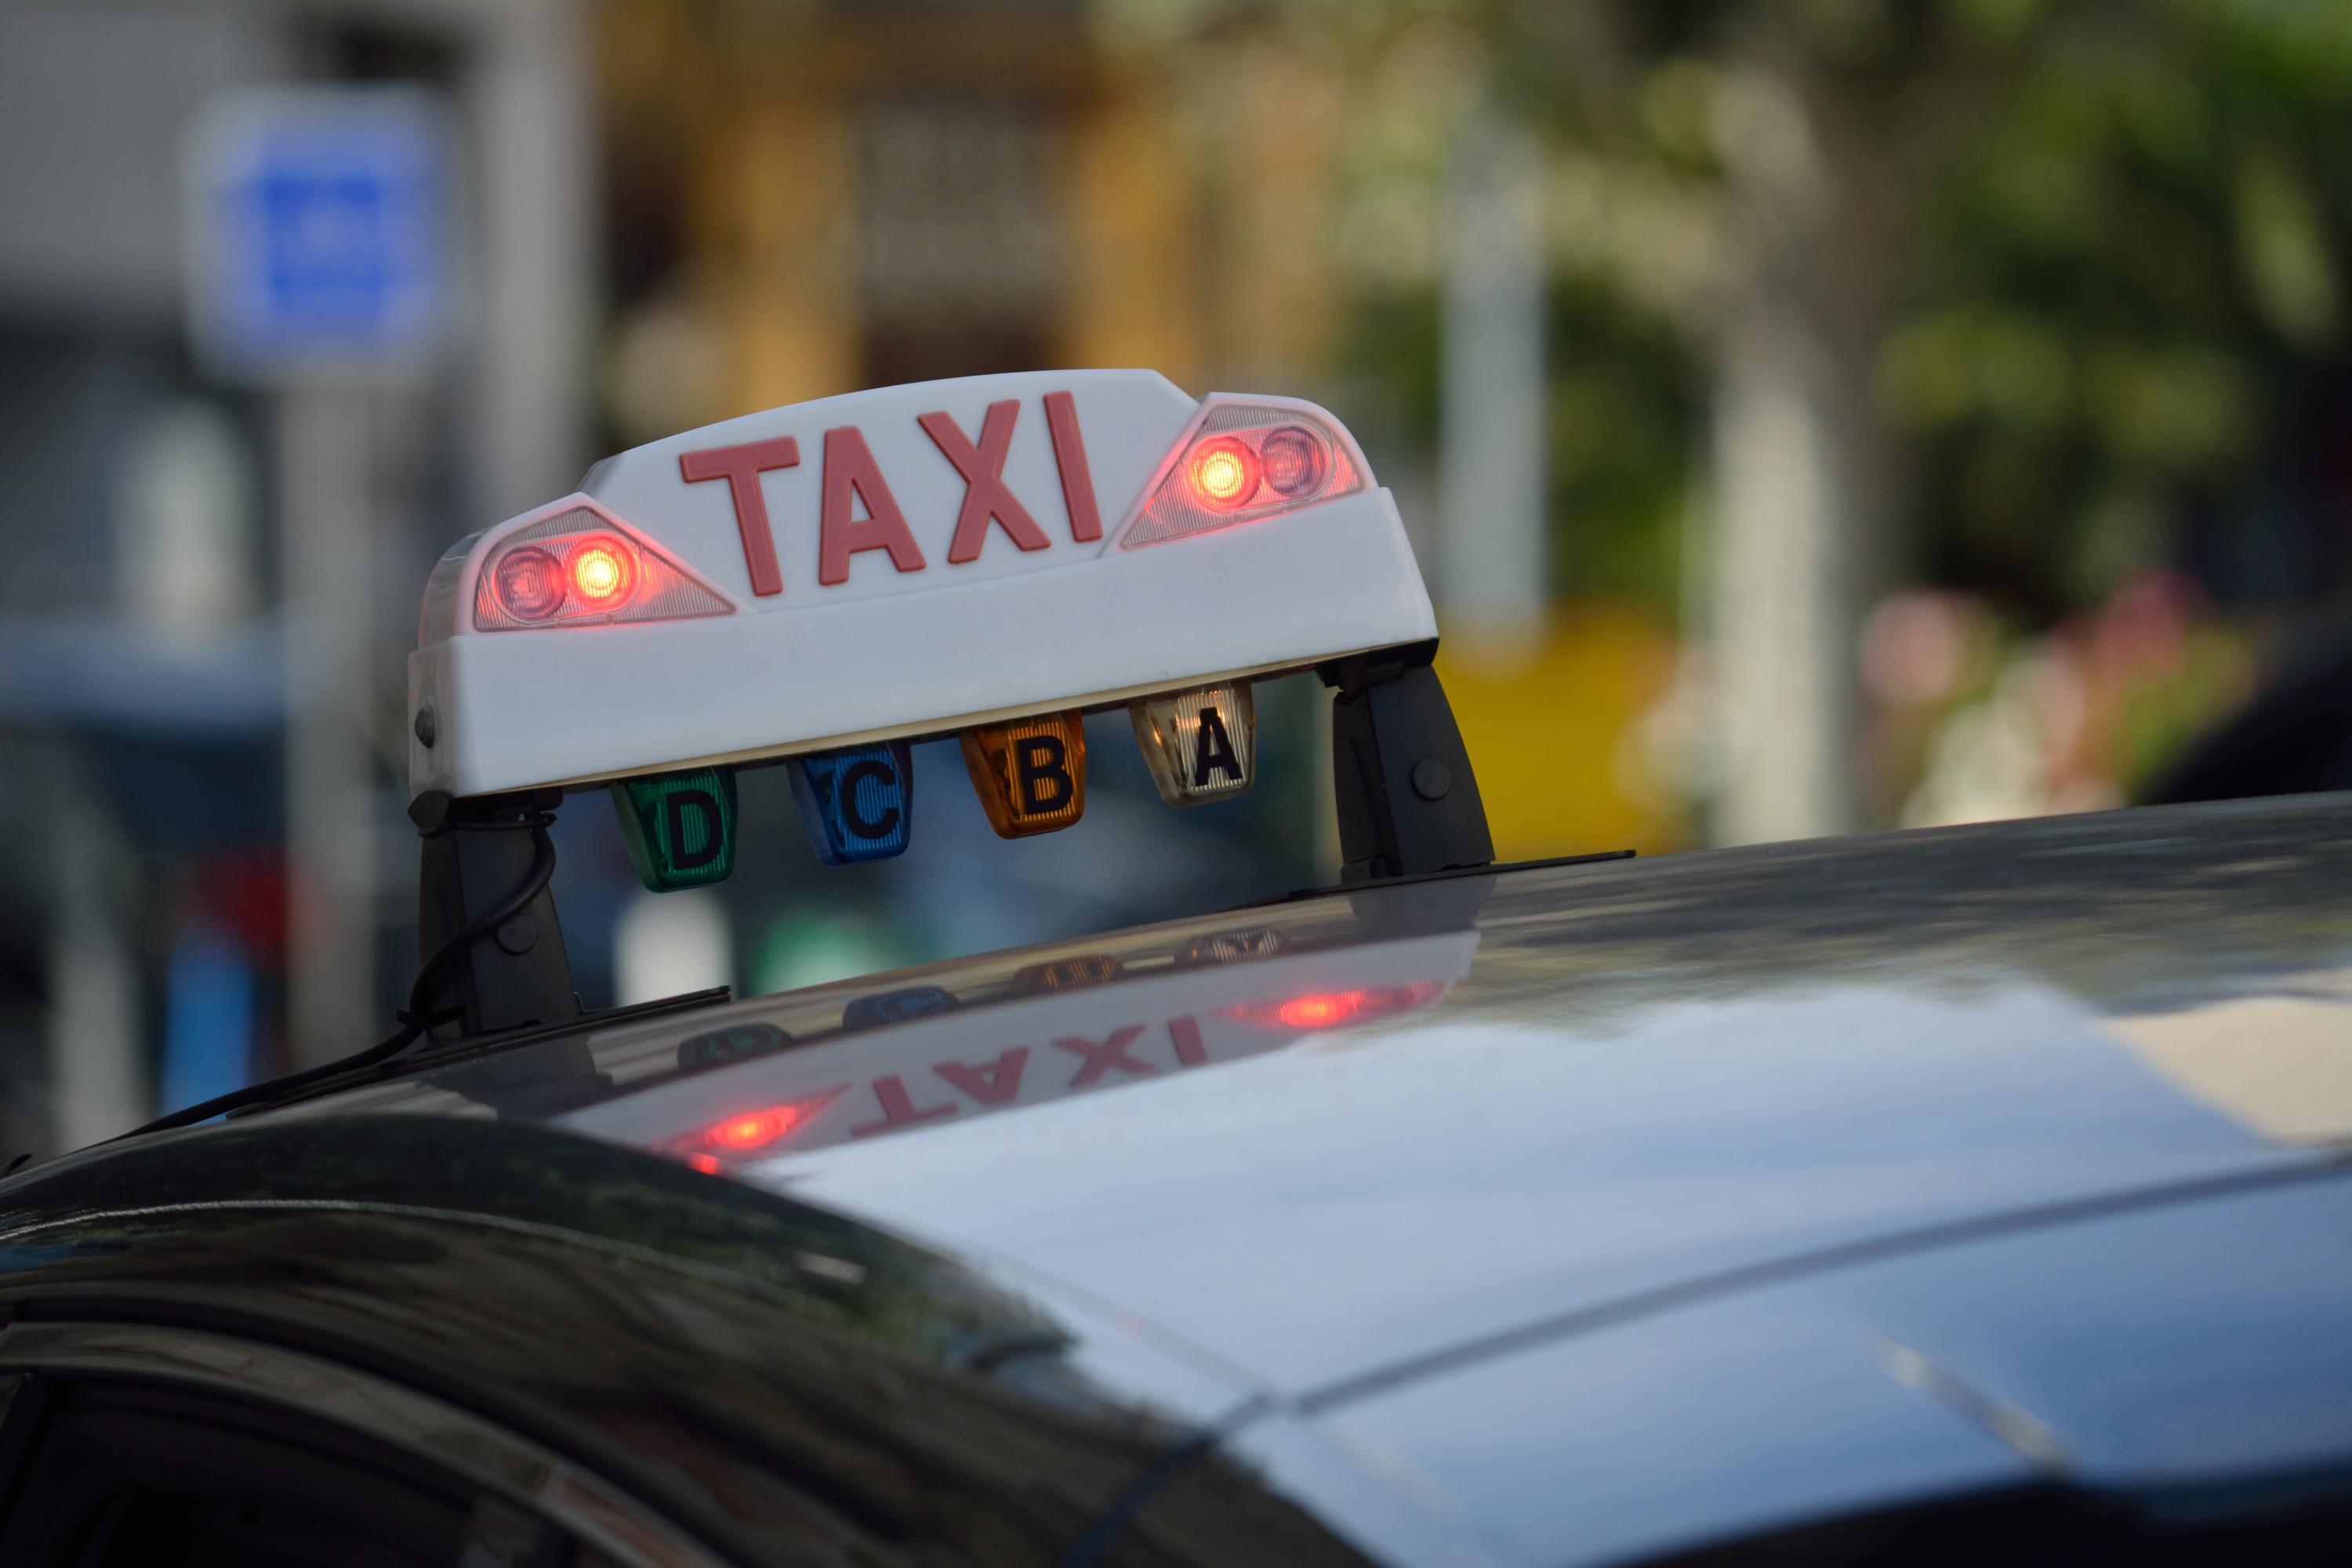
x,y
582,565
603,572
1331,1009
1242,463
1223,472
531,583
1294,461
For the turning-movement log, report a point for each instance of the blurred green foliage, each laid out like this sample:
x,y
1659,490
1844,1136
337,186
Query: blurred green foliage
x,y
1626,419
2118,265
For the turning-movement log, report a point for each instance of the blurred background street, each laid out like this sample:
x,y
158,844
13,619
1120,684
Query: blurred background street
x,y
1813,416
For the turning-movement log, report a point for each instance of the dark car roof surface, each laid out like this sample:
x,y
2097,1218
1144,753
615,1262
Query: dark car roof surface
x,y
1582,1213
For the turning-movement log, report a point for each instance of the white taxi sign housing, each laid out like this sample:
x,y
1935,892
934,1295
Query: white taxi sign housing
x,y
905,561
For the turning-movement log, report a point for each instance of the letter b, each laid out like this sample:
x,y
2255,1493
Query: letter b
x,y
1042,764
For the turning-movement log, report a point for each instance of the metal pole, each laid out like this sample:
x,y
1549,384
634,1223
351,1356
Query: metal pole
x,y
98,1083
1799,456
1490,560
528,95
1782,590
324,464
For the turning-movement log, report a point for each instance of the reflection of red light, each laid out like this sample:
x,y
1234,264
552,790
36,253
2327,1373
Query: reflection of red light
x,y
756,1130
744,1133
1330,1009
1319,1012
752,1128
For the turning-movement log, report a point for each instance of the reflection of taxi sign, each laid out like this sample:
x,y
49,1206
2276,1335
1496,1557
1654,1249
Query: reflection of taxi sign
x,y
735,1043
858,803
1044,1044
1068,974
991,559
897,1006
1233,947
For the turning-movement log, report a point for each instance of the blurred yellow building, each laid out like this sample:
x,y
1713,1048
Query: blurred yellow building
x,y
861,195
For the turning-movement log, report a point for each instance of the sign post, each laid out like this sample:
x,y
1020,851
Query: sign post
x,y
319,268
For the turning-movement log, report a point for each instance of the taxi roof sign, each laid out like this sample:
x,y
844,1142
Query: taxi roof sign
x,y
941,566
906,562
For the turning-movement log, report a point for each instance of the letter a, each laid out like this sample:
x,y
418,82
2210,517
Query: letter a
x,y
1215,750
993,1083
852,475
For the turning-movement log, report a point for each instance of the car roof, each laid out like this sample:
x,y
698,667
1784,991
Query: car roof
x,y
1558,1085
1380,1184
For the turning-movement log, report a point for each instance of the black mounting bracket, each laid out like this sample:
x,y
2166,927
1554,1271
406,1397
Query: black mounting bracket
x,y
1400,778
1408,805
476,853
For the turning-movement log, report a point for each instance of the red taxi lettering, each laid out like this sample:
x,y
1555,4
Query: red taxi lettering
x,y
741,467
1186,1034
1101,1058
898,1108
986,498
851,479
996,1083
1070,460
850,471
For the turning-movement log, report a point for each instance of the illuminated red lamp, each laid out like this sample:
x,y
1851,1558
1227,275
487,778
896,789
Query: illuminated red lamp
x,y
603,572
1225,472
1335,1009
1245,462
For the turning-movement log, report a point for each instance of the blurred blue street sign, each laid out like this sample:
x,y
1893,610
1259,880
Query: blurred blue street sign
x,y
319,241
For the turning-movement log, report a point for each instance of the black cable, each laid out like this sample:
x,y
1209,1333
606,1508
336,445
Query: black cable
x,y
413,1021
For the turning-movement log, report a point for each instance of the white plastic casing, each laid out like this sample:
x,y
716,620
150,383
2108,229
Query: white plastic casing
x,y
898,652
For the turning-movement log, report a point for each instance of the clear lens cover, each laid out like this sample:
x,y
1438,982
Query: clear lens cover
x,y
527,582
582,568
1243,462
1201,745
